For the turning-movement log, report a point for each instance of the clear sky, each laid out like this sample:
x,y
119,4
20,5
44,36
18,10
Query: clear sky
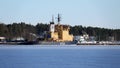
x,y
96,13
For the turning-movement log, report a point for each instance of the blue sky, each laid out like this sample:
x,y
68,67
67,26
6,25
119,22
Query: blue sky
x,y
96,13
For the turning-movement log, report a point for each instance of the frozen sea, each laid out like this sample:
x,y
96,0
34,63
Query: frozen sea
x,y
55,56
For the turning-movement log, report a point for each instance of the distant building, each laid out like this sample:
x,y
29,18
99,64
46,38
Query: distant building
x,y
85,39
2,39
111,38
92,38
79,38
18,39
86,36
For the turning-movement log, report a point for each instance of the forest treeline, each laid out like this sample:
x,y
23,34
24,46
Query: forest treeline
x,y
24,30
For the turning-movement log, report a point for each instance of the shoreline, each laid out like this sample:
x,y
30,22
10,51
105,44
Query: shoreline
x,y
58,43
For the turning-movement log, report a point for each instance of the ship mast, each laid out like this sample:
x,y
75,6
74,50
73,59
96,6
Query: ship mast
x,y
52,18
58,18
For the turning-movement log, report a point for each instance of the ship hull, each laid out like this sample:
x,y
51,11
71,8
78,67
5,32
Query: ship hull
x,y
56,43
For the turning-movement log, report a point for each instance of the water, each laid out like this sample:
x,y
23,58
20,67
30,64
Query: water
x,y
59,56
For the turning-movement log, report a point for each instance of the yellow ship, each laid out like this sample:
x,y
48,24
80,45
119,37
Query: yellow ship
x,y
58,34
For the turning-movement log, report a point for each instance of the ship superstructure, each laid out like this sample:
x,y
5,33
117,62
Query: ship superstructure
x,y
59,32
